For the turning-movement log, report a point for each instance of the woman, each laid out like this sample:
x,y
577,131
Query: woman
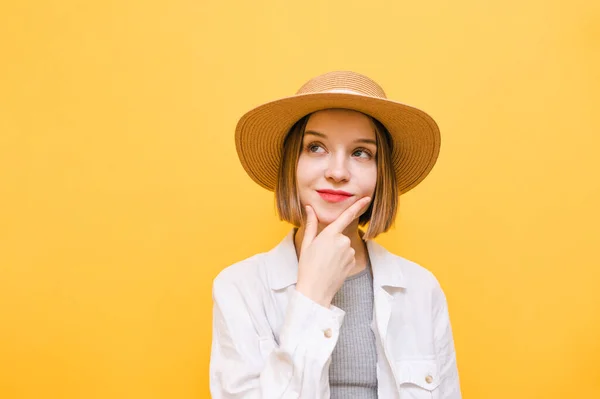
x,y
328,312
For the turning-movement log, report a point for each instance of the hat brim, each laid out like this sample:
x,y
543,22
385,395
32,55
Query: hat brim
x,y
260,133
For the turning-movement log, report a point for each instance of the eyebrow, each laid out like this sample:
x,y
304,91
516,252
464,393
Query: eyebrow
x,y
318,134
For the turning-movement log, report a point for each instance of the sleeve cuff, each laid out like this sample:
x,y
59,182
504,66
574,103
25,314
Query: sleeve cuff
x,y
311,326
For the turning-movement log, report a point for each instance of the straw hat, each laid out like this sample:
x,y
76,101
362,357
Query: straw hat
x,y
260,133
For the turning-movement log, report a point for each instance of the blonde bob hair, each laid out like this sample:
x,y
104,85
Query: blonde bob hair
x,y
381,213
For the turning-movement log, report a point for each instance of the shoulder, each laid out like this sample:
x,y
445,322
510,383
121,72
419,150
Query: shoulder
x,y
274,269
417,274
405,273
244,275
421,286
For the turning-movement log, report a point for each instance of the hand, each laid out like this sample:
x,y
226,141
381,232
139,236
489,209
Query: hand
x,y
326,259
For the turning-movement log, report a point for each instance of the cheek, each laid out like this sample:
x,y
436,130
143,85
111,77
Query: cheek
x,y
368,180
306,172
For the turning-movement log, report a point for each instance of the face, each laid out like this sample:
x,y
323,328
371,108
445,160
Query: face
x,y
337,164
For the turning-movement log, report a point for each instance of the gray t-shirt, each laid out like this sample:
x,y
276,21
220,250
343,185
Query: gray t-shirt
x,y
353,369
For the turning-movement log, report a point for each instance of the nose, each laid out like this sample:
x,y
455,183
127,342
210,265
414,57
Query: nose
x,y
337,170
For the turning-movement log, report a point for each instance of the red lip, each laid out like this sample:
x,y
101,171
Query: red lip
x,y
336,192
334,195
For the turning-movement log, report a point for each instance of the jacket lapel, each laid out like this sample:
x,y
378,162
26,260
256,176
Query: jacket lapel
x,y
282,263
387,278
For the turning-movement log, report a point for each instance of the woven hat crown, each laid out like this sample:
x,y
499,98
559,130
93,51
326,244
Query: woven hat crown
x,y
342,82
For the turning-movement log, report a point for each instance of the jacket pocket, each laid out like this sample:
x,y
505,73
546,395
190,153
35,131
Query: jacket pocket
x,y
417,379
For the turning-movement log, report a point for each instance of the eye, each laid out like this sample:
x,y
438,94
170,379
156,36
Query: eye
x,y
315,148
362,153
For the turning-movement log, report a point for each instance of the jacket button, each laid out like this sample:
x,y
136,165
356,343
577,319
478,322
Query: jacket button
x,y
429,379
327,333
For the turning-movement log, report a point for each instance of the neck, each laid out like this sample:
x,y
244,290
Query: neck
x,y
356,241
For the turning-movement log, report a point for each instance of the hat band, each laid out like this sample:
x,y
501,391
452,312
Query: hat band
x,y
347,91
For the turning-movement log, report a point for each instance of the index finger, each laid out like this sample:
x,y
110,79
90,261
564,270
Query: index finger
x,y
339,224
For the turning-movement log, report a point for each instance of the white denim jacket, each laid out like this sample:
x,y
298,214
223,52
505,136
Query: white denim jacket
x,y
270,341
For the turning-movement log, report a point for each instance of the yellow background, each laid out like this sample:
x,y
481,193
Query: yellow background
x,y
121,196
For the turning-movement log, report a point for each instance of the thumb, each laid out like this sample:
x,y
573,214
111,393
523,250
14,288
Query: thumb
x,y
310,228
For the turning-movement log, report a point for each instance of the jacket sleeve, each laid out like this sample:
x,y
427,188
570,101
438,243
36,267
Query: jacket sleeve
x,y
246,361
444,346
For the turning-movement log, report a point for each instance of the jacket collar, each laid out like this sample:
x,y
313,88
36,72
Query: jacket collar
x,y
282,265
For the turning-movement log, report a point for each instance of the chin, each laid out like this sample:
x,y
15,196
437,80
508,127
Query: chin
x,y
327,216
